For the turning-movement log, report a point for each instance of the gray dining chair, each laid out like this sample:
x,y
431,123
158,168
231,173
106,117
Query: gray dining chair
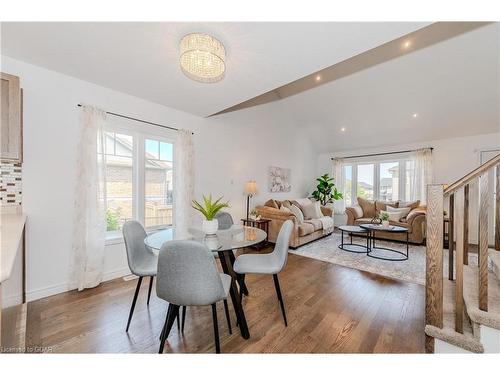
x,y
141,260
269,264
225,220
188,276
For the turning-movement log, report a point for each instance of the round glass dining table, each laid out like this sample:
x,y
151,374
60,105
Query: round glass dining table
x,y
233,238
223,243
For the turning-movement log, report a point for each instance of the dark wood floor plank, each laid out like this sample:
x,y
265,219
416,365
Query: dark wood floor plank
x,y
330,309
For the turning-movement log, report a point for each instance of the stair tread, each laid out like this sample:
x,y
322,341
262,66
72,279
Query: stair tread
x,y
465,340
490,318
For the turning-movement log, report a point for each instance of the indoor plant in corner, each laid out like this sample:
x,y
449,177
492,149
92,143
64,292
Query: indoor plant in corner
x,y
326,192
209,209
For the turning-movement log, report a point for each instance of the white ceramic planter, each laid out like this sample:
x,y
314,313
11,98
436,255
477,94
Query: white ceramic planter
x,y
385,223
210,226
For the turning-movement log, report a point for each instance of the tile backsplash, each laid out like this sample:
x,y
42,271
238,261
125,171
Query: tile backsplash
x,y
10,183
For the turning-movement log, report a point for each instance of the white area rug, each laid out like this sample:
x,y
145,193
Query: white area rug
x,y
411,270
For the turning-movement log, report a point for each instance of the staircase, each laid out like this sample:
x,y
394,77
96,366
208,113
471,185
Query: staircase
x,y
462,309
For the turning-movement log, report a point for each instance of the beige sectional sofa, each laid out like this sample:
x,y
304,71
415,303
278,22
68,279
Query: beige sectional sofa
x,y
309,230
366,210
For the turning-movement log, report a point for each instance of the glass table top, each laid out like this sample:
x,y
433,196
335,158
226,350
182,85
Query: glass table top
x,y
233,238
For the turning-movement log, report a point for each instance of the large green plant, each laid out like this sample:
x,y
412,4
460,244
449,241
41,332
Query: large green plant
x,y
209,208
326,192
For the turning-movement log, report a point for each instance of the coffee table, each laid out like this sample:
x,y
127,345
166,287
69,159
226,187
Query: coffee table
x,y
373,229
354,229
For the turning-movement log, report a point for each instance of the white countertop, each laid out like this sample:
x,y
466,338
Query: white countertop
x,y
11,229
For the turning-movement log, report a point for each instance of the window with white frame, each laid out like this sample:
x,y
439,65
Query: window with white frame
x,y
386,179
139,177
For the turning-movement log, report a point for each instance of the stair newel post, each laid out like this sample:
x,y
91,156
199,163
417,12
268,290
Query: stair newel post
x,y
459,259
434,261
451,237
483,242
497,208
466,224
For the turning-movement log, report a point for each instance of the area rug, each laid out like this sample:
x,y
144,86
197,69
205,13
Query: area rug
x,y
411,270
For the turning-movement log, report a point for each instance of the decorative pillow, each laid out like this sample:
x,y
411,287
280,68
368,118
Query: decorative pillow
x,y
358,211
310,211
393,216
411,205
285,209
404,210
382,206
271,203
298,213
317,207
303,202
286,204
368,207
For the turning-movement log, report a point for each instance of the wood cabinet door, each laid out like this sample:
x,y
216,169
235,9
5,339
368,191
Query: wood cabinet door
x,y
10,125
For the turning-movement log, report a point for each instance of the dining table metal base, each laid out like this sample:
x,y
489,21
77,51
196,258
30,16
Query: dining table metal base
x,y
227,262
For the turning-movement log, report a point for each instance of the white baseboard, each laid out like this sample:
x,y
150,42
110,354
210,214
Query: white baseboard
x,y
36,294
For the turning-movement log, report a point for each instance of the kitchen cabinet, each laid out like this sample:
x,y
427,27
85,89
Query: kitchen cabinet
x,y
11,134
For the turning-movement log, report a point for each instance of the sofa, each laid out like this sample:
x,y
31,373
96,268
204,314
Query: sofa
x,y
365,210
305,232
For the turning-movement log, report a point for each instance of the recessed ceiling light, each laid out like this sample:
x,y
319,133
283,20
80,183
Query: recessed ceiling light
x,y
415,115
407,44
342,129
318,78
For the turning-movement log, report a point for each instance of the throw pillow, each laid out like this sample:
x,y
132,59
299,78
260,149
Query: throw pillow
x,y
298,213
271,203
368,207
411,205
404,210
382,206
285,209
358,210
309,211
393,216
317,208
286,204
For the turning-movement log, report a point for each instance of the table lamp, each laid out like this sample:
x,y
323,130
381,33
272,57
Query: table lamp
x,y
250,191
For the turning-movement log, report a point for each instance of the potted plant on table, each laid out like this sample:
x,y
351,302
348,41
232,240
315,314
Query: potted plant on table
x,y
209,209
384,216
326,192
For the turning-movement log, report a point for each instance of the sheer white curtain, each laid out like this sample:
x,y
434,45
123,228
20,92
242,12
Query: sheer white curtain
x,y
421,174
339,181
89,232
183,181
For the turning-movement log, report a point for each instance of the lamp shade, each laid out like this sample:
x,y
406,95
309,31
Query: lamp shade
x,y
251,188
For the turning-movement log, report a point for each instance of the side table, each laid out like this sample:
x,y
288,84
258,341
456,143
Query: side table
x,y
261,224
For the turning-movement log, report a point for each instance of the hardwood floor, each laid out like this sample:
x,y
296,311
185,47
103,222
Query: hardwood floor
x,y
330,309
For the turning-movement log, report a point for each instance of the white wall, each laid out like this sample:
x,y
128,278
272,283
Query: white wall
x,y
229,151
453,158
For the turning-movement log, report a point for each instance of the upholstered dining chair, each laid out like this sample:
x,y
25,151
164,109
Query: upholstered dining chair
x,y
225,220
188,276
141,260
270,264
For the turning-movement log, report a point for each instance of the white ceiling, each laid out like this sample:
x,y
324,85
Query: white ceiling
x,y
453,86
141,59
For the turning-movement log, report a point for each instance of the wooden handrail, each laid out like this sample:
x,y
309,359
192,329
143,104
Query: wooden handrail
x,y
472,175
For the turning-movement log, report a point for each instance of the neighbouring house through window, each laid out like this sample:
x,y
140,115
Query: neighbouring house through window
x,y
139,178
387,180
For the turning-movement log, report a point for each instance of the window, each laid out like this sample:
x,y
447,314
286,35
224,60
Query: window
x,y
389,181
158,183
119,179
386,180
347,193
364,185
139,178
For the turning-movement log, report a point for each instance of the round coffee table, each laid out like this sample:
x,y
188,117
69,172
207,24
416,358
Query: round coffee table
x,y
354,229
372,229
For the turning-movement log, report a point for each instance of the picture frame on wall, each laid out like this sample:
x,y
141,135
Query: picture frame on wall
x,y
279,180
